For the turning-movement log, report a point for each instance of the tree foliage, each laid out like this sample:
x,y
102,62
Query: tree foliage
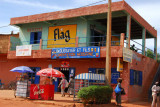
x,y
150,54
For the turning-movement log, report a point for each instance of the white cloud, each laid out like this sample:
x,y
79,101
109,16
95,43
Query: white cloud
x,y
6,28
34,4
150,12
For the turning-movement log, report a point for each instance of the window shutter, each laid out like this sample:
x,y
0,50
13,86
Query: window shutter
x,y
136,76
131,77
39,37
114,75
91,70
56,83
71,72
37,77
140,78
32,38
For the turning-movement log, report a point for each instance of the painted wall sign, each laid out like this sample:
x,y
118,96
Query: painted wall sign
x,y
80,52
37,91
24,50
62,36
115,40
120,64
134,56
65,64
127,55
34,29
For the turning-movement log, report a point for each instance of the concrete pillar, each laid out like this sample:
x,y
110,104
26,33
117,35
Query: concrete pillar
x,y
40,44
155,48
128,31
77,41
143,40
122,40
9,44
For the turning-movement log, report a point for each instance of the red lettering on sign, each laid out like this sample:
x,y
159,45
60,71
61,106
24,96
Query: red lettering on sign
x,y
34,29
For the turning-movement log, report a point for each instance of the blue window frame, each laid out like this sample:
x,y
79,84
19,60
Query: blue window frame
x,y
35,37
136,77
114,75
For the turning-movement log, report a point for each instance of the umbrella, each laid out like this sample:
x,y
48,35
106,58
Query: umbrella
x,y
50,72
22,69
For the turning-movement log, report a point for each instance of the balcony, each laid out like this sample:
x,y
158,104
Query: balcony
x,y
43,47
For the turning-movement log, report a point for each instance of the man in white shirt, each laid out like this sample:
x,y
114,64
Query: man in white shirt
x,y
155,94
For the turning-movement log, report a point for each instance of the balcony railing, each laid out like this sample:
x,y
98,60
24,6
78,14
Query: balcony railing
x,y
76,42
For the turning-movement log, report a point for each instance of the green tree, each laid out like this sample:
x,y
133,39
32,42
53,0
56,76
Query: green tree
x,y
150,54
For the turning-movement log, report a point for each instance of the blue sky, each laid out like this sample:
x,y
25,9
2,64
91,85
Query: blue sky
x,y
148,9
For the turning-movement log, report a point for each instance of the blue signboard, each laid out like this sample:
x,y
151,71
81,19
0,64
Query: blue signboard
x,y
78,52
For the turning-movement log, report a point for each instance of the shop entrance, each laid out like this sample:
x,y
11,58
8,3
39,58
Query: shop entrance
x,y
67,72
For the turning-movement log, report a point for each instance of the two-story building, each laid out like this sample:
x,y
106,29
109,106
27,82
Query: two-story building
x,y
74,41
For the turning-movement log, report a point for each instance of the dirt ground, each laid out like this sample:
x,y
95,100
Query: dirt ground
x,y
7,99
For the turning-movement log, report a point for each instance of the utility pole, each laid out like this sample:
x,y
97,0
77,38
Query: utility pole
x,y
108,44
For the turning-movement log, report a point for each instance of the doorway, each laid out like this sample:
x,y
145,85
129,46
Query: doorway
x,y
67,72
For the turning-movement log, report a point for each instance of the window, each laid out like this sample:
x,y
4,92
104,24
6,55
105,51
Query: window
x,y
114,75
98,37
135,77
100,71
35,37
96,71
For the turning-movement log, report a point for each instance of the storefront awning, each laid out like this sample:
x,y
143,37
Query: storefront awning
x,y
90,76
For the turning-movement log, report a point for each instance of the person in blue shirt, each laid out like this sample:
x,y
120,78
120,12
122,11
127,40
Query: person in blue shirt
x,y
118,95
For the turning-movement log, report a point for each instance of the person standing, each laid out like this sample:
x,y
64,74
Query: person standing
x,y
63,85
71,86
155,94
118,95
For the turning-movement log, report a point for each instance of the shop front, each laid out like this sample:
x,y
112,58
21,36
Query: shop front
x,y
67,71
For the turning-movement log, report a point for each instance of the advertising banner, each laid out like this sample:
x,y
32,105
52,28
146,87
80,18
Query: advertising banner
x,y
65,64
62,36
24,50
80,52
42,92
127,55
115,40
120,64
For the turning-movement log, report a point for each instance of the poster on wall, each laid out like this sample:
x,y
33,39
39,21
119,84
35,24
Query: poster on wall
x,y
62,36
115,40
127,55
120,64
65,64
24,50
80,52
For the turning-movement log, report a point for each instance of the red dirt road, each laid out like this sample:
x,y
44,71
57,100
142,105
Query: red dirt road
x,y
7,100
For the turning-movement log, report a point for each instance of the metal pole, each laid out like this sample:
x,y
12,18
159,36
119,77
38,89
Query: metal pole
x,y
108,44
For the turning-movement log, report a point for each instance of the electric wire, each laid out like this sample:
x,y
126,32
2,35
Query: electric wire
x,y
61,12
4,26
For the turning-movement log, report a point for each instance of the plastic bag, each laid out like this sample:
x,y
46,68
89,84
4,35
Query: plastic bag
x,y
117,89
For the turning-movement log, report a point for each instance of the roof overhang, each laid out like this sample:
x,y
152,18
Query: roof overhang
x,y
85,11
